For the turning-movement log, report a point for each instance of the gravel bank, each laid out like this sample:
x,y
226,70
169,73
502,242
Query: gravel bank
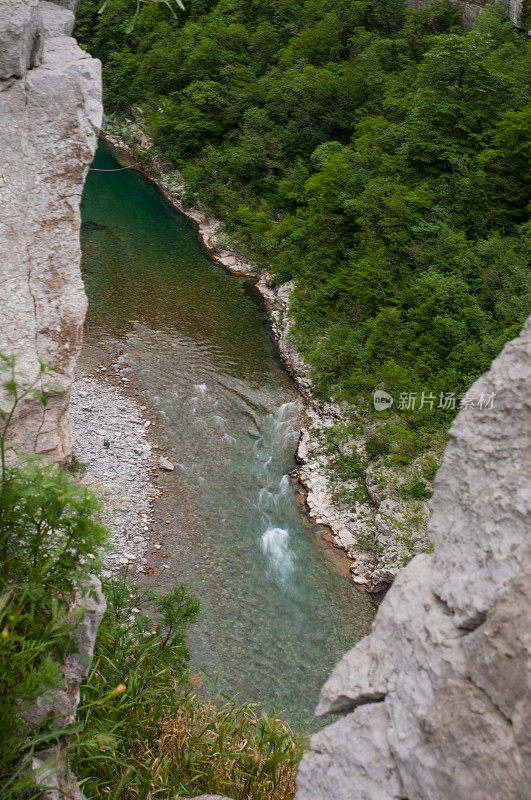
x,y
111,444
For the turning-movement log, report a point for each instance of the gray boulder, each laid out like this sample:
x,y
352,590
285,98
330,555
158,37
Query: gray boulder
x,y
55,21
20,42
437,697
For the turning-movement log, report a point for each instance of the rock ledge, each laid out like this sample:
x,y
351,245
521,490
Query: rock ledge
x,y
438,697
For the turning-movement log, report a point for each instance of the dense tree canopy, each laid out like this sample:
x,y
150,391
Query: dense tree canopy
x,y
378,156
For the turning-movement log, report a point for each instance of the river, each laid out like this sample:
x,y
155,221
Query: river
x,y
277,607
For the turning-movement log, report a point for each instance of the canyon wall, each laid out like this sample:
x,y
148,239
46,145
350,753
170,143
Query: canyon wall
x,y
436,700
50,115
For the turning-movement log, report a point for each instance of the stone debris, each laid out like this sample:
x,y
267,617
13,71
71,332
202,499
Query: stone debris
x,y
437,698
165,463
207,797
119,473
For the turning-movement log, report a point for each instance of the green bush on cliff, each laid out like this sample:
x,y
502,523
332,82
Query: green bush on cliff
x,y
48,536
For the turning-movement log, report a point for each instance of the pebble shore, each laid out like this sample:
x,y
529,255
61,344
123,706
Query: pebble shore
x,y
116,460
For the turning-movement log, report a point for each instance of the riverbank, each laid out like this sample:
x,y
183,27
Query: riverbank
x,y
114,457
374,524
116,454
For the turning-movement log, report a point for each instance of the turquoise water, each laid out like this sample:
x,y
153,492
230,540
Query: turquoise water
x,y
278,610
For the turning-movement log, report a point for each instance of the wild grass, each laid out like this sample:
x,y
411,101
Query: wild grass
x,y
147,735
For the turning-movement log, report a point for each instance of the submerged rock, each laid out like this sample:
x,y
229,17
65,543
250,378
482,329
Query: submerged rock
x,y
165,463
437,697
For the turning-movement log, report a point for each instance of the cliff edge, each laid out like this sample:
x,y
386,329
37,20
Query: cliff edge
x,y
436,700
50,115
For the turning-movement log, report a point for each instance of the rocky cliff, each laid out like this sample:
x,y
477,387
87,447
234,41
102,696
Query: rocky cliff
x,y
50,114
436,701
50,766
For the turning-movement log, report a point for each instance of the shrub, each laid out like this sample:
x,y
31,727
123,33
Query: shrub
x,y
430,466
156,739
416,488
48,531
377,444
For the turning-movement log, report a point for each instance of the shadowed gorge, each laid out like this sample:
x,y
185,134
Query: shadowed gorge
x,y
214,459
273,598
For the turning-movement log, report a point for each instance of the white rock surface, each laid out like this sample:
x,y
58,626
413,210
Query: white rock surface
x,y
55,21
49,120
438,696
20,43
487,465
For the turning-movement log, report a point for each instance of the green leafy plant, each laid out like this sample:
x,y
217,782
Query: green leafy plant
x,y
377,444
146,733
49,538
139,3
416,488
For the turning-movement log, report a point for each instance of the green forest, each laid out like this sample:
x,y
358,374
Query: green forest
x,y
376,156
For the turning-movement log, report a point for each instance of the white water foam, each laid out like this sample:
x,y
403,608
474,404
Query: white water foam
x,y
275,545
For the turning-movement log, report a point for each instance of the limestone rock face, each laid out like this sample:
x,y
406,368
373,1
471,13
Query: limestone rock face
x,y
470,11
438,697
50,114
19,40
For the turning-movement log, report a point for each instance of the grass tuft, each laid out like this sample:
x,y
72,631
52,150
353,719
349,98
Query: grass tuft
x,y
148,735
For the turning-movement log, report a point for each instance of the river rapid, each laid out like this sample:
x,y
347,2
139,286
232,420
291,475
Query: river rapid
x,y
278,609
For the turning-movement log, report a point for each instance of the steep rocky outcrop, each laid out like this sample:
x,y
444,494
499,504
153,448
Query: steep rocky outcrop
x,y
50,114
437,698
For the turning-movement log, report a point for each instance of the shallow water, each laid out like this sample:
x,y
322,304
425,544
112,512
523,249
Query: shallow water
x,y
277,609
